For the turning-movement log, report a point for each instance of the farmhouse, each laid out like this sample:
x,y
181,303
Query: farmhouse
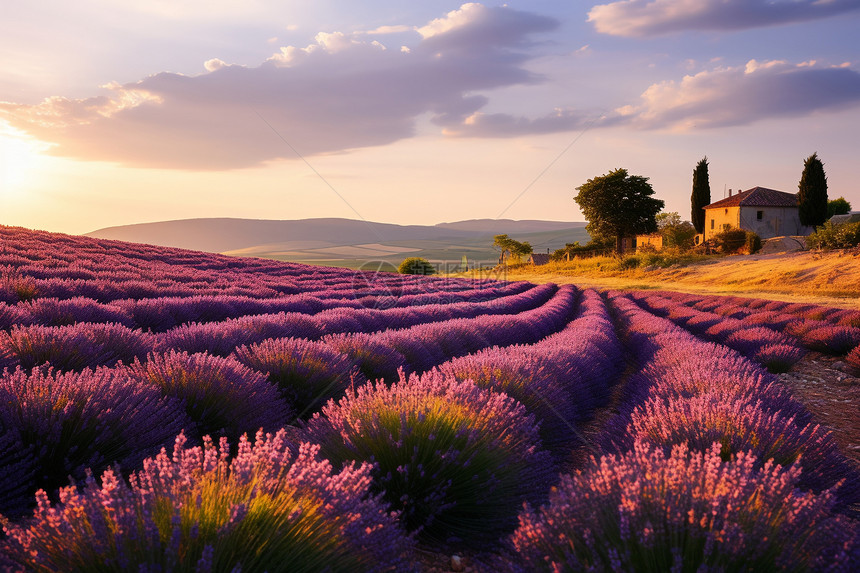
x,y
767,212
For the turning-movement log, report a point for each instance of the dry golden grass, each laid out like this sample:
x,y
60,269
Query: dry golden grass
x,y
829,278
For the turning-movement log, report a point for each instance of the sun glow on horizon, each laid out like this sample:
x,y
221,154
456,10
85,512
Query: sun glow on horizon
x,y
21,160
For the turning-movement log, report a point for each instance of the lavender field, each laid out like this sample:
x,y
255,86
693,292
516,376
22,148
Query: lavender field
x,y
169,410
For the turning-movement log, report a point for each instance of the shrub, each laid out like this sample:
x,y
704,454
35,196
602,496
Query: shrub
x,y
416,266
830,236
455,459
222,396
308,373
267,509
686,511
730,241
90,419
753,242
629,262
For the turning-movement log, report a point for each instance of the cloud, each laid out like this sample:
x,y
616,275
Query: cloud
x,y
731,96
504,125
654,17
341,92
214,64
397,29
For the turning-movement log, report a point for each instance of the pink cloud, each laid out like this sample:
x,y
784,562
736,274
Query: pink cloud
x,y
742,95
341,92
655,17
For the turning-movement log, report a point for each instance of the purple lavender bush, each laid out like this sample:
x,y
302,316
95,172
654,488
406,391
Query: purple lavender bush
x,y
72,347
529,381
740,425
15,287
73,421
273,507
56,312
778,358
832,339
456,460
686,511
308,373
221,396
221,338
12,314
773,350
853,357
374,359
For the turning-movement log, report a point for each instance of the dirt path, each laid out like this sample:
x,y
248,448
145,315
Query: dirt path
x,y
829,389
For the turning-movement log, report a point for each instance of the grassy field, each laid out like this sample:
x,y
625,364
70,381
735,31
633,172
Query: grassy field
x,y
831,278
445,254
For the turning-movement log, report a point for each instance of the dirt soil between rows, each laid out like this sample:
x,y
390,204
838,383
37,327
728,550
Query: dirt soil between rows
x,y
830,389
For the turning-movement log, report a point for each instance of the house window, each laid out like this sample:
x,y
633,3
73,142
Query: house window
x,y
759,215
712,224
727,211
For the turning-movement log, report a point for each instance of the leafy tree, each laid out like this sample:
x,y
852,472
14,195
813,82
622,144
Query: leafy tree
x,y
618,204
416,266
838,207
596,246
676,233
515,249
701,195
812,192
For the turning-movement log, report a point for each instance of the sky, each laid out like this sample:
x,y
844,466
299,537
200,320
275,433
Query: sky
x,y
412,112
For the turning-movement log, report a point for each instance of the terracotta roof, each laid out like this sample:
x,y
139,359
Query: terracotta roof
x,y
540,258
757,197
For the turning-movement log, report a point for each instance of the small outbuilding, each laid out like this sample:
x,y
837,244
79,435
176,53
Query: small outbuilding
x,y
538,259
852,217
767,212
654,241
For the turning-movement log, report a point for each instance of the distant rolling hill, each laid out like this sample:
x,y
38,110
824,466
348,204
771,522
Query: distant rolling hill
x,y
346,242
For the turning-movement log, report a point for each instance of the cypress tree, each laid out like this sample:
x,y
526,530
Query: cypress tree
x,y
701,195
812,192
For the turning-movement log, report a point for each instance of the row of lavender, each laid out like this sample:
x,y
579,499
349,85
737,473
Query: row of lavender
x,y
127,413
773,333
455,458
91,344
163,313
35,264
709,464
